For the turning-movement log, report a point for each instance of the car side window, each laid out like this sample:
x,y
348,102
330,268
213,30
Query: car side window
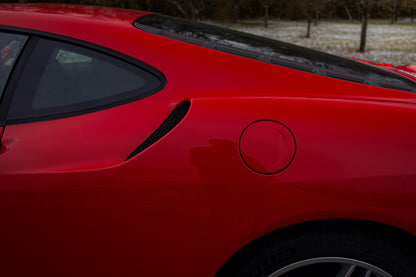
x,y
62,78
10,46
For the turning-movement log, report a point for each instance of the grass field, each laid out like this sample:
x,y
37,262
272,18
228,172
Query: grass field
x,y
385,42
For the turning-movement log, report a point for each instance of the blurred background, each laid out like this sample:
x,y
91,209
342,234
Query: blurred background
x,y
382,31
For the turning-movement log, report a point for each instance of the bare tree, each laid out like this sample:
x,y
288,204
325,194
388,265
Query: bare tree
x,y
349,6
190,9
347,10
236,5
394,7
365,8
395,13
412,5
266,5
316,7
308,28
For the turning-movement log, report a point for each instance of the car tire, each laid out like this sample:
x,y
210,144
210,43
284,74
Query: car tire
x,y
326,250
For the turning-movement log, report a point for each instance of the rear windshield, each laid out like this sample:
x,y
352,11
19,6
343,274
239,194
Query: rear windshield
x,y
272,51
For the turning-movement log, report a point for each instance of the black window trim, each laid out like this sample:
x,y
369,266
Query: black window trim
x,y
16,70
33,37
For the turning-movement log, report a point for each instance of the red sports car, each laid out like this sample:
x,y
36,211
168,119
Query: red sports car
x,y
136,144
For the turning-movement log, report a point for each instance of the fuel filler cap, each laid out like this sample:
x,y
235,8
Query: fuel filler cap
x,y
267,146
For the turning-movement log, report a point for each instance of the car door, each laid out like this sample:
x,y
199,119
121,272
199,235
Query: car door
x,y
72,114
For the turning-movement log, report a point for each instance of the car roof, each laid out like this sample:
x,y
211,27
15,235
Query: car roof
x,y
55,17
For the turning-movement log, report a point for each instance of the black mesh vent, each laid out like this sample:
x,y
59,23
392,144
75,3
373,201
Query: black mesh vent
x,y
171,121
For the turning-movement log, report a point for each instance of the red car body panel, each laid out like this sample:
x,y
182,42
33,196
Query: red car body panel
x,y
408,71
71,205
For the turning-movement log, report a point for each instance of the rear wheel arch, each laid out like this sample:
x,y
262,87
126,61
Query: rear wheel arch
x,y
272,247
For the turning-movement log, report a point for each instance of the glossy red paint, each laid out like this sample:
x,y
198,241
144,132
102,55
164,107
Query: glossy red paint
x,y
408,71
267,147
70,205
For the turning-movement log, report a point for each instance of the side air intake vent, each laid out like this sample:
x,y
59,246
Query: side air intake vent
x,y
170,122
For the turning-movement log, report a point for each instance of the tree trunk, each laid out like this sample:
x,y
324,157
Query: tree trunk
x,y
308,31
363,40
266,16
316,17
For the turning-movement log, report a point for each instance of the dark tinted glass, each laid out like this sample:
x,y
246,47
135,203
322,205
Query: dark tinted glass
x,y
10,46
62,78
272,51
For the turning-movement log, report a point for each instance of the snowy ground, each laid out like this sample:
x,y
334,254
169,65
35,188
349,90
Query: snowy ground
x,y
385,42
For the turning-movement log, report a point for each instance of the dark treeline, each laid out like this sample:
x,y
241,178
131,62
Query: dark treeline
x,y
234,10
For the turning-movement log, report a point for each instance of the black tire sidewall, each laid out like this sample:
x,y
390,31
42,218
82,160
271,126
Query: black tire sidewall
x,y
290,246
